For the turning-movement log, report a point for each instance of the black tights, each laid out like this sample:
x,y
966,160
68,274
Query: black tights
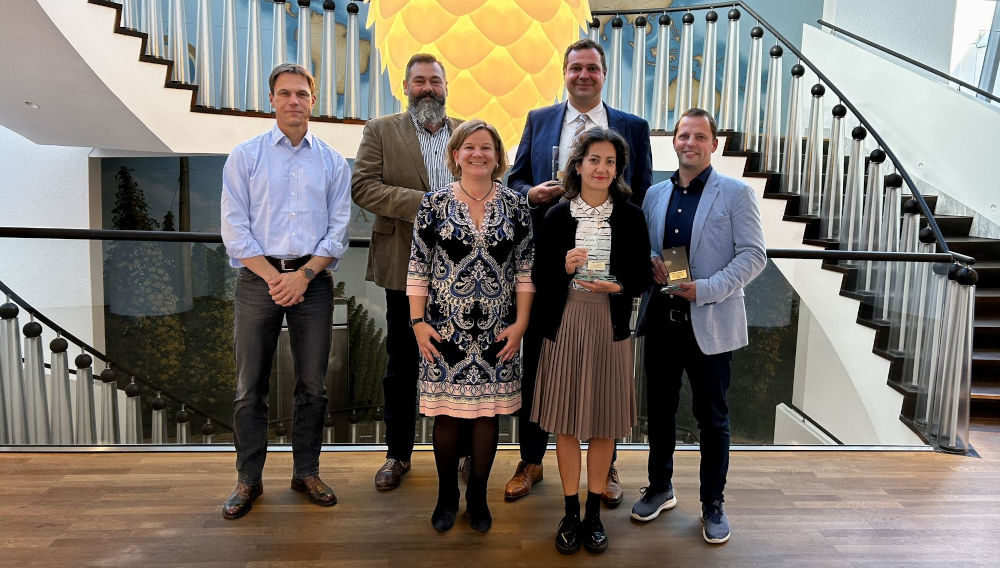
x,y
453,438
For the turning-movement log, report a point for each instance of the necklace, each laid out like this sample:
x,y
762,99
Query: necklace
x,y
477,199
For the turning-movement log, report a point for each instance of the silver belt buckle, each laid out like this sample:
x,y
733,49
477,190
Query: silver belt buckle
x,y
677,316
286,264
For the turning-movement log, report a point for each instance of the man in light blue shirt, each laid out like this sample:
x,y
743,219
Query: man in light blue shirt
x,y
285,210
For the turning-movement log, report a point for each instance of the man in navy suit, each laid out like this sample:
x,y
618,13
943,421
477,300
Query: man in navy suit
x,y
714,220
584,70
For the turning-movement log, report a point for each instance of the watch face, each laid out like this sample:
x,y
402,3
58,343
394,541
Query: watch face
x,y
309,273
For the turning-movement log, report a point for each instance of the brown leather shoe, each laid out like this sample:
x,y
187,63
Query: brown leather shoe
x,y
526,476
241,500
314,488
612,496
390,474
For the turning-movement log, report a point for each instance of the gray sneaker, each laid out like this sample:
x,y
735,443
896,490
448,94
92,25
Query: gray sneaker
x,y
648,506
716,525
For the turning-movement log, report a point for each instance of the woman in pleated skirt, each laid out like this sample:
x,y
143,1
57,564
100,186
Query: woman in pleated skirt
x,y
592,259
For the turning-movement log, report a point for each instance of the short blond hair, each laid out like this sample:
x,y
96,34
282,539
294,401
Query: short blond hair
x,y
466,129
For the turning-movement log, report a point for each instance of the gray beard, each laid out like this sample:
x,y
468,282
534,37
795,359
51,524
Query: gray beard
x,y
428,110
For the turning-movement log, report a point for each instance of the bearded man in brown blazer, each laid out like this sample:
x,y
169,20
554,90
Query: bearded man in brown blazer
x,y
401,157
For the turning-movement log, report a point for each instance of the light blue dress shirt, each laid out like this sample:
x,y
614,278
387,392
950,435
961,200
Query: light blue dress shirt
x,y
284,201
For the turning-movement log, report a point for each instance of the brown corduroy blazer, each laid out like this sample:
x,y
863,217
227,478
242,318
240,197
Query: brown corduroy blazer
x,y
389,180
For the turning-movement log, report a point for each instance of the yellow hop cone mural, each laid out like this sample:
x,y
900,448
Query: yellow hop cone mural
x,y
503,58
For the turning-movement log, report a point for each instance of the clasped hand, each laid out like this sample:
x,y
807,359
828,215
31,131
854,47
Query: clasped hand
x,y
288,288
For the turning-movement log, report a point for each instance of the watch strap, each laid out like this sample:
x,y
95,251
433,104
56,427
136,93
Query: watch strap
x,y
415,321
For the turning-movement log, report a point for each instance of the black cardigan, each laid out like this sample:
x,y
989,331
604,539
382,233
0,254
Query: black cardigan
x,y
629,265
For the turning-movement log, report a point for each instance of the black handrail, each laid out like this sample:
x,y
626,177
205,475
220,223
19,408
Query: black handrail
x,y
91,234
910,60
31,310
938,235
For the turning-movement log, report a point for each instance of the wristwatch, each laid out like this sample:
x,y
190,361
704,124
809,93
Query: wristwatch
x,y
308,272
415,321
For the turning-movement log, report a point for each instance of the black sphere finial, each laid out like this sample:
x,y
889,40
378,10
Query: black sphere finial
x,y
893,180
839,111
664,20
776,51
966,276
9,310
280,429
687,18
818,90
926,236
640,22
32,329
58,345
859,133
328,423
108,375
798,70
354,418
304,3
595,23
159,403
953,270
877,156
911,206
83,361
183,416
328,6
712,16
757,32
132,390
352,8
617,22
734,14
940,268
208,428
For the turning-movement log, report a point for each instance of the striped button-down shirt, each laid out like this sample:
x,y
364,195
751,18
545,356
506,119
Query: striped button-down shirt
x,y
434,148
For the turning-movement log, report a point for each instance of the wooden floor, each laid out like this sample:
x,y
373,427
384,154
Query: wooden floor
x,y
803,508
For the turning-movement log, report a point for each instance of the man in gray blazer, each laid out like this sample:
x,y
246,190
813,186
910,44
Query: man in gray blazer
x,y
696,328
401,157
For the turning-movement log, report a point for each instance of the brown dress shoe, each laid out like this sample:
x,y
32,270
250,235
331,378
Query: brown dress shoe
x,y
314,488
526,476
612,496
241,500
390,474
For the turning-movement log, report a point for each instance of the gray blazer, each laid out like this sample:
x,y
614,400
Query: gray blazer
x,y
389,180
726,253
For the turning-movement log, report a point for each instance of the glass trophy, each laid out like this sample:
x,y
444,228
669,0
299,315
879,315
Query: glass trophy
x,y
595,269
676,262
558,173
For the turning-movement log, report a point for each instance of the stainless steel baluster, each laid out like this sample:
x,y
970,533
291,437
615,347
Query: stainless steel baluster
x,y
39,431
60,411
706,91
133,414
871,229
352,79
230,82
791,170
328,63
279,45
661,75
183,419
13,404
85,423
751,94
833,187
613,88
638,99
813,173
850,228
180,71
685,65
108,391
159,422
256,90
204,63
154,29
772,113
729,106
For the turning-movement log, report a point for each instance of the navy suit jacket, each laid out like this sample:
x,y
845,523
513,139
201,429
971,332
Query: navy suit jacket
x,y
533,163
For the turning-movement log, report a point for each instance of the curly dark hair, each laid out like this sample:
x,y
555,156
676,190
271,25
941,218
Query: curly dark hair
x,y
619,189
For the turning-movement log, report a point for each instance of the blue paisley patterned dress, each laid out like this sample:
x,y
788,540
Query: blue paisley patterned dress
x,y
470,276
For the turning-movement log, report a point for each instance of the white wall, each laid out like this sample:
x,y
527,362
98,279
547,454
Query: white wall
x,y
920,29
48,186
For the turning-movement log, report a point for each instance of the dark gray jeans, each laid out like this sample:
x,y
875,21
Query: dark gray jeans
x,y
256,326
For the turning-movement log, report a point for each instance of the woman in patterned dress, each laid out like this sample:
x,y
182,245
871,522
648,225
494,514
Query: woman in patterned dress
x,y
593,259
470,291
